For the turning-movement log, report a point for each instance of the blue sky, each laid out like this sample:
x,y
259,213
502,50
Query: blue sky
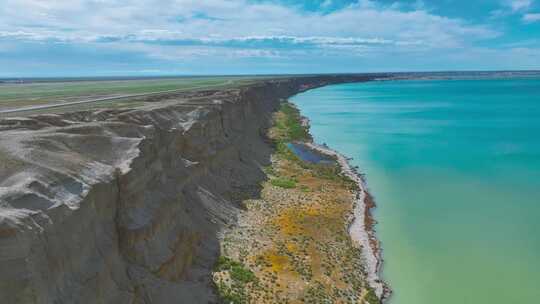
x,y
177,37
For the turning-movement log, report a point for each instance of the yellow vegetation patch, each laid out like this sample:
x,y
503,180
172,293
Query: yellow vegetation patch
x,y
296,239
292,247
278,263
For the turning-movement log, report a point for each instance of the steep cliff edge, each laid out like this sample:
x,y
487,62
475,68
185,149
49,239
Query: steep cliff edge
x,y
123,206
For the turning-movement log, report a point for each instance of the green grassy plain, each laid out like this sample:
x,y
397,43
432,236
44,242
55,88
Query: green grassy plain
x,y
16,95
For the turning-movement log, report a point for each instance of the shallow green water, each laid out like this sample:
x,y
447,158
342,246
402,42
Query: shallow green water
x,y
455,169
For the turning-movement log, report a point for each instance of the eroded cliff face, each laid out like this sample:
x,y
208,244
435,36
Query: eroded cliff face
x,y
123,206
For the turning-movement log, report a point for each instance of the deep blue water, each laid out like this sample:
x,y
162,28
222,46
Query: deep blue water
x,y
309,155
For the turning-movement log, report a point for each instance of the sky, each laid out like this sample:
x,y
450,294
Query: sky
x,y
52,38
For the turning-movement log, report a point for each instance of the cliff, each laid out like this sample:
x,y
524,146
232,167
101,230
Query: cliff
x,y
124,206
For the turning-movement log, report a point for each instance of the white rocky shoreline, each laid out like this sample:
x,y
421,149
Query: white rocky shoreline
x,y
361,235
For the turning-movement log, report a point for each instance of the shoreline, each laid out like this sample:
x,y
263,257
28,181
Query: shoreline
x,y
293,242
193,160
361,222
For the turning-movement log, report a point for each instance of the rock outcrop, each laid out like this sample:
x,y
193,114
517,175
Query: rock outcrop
x,y
123,206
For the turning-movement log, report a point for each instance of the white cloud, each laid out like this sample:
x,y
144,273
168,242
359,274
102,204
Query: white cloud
x,y
529,18
326,3
519,5
244,27
511,7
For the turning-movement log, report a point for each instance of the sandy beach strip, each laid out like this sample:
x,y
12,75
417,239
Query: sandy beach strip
x,y
361,223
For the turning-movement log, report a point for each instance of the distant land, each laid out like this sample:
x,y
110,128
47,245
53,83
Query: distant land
x,y
40,93
216,189
420,74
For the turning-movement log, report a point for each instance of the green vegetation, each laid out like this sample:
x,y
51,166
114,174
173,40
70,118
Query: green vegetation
x,y
241,274
228,295
293,123
290,126
237,270
371,297
283,182
285,153
294,248
317,294
269,170
39,93
289,129
235,292
330,172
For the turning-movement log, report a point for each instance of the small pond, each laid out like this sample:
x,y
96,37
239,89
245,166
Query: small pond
x,y
309,155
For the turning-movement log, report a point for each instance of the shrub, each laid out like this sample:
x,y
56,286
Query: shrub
x,y
295,130
371,297
237,270
283,182
241,274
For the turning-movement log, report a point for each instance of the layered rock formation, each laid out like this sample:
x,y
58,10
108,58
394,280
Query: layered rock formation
x,y
123,206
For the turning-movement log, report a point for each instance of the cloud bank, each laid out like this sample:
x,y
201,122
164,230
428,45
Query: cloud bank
x,y
190,31
231,24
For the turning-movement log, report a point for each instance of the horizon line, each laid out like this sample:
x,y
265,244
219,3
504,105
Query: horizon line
x,y
149,76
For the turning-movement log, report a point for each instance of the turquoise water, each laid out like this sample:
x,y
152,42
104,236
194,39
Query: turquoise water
x,y
455,169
